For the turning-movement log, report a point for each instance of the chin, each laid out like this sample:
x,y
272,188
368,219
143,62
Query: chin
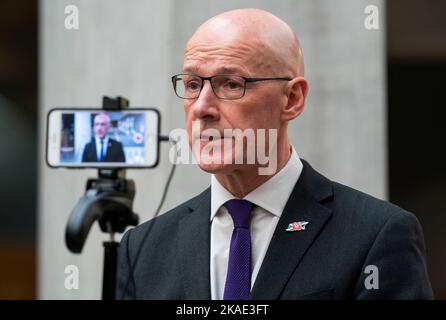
x,y
216,168
214,164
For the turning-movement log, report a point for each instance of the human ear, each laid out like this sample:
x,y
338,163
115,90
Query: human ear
x,y
296,92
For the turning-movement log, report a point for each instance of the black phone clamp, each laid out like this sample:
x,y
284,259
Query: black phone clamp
x,y
109,200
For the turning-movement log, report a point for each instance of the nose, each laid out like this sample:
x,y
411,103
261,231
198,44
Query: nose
x,y
206,105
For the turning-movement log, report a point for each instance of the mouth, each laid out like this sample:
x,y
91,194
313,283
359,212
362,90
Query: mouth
x,y
209,138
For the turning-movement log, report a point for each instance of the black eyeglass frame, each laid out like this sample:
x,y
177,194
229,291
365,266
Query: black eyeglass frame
x,y
203,79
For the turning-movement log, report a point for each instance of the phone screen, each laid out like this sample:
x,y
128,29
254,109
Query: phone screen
x,y
97,138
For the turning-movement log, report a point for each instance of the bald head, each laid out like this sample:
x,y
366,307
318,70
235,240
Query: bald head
x,y
101,124
267,41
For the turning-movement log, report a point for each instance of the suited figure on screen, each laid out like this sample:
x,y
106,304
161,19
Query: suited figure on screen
x,y
102,148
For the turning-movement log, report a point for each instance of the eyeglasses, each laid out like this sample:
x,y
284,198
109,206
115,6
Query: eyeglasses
x,y
225,86
102,124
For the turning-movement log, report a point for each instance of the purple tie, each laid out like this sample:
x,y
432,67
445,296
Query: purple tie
x,y
238,278
101,156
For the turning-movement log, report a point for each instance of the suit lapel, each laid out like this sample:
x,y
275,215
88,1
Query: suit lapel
x,y
194,249
287,249
93,151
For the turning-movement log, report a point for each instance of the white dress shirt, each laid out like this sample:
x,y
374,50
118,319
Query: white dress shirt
x,y
98,147
269,199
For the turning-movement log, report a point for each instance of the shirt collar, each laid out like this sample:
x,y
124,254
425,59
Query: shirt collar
x,y
271,196
98,141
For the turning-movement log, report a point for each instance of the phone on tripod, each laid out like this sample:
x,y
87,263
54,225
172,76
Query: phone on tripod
x,y
98,138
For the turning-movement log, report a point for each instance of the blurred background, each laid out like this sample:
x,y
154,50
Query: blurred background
x,y
375,118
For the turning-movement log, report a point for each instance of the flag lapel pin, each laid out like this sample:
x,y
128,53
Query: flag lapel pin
x,y
297,226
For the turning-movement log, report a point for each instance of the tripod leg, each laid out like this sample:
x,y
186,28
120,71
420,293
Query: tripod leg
x,y
110,269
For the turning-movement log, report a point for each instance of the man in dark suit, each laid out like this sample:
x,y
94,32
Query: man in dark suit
x,y
101,148
288,234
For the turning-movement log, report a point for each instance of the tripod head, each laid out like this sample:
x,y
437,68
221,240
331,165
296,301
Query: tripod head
x,y
109,200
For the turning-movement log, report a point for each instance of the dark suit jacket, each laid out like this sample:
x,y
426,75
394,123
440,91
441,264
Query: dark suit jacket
x,y
115,152
347,231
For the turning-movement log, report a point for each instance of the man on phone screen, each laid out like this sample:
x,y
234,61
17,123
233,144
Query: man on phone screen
x,y
101,148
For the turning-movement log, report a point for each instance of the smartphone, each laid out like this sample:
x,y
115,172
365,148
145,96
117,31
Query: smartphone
x,y
98,138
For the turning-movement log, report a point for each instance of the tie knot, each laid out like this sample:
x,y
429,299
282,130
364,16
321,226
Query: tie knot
x,y
240,211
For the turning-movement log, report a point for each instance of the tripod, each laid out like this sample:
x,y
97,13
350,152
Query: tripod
x,y
109,200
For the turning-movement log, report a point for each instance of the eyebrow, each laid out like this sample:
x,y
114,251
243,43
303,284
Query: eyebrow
x,y
221,70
